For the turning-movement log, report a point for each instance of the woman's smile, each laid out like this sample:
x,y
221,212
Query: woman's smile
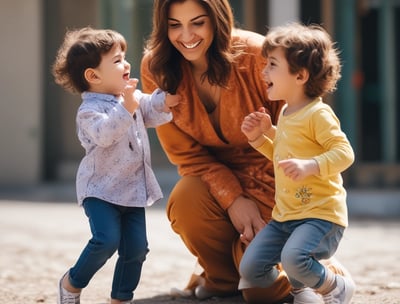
x,y
191,45
190,30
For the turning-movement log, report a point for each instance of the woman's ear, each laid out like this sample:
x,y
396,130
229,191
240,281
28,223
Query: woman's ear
x,y
302,76
91,76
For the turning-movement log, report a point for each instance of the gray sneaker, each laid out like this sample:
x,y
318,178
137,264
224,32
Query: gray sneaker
x,y
306,296
66,297
342,293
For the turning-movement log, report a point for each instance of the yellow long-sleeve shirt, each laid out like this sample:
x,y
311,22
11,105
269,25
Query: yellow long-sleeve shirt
x,y
312,132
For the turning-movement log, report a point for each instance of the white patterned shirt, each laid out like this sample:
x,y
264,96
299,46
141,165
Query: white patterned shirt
x,y
117,163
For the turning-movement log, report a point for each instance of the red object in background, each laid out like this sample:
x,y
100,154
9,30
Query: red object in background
x,y
358,79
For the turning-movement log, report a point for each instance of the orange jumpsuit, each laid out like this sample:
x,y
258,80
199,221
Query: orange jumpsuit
x,y
217,165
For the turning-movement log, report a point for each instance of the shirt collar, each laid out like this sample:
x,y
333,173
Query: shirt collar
x,y
99,96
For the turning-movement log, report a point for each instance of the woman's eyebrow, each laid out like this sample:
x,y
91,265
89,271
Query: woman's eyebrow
x,y
199,17
193,19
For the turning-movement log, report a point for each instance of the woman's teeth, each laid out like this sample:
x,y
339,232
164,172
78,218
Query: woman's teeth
x,y
191,45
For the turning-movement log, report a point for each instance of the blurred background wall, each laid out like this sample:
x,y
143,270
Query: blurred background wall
x,y
37,125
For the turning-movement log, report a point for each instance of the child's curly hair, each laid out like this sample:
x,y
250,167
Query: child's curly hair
x,y
311,48
80,50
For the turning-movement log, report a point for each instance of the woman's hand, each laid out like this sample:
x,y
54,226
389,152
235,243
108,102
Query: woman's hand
x,y
246,218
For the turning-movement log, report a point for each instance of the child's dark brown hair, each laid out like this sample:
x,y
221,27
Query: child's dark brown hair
x,y
307,47
80,50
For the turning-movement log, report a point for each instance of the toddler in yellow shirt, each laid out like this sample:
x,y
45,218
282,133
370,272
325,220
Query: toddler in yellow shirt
x,y
309,151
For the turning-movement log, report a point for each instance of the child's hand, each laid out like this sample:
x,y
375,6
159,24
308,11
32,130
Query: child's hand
x,y
131,85
171,101
255,124
299,169
130,103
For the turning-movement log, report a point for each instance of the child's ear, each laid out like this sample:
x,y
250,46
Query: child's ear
x,y
91,76
302,76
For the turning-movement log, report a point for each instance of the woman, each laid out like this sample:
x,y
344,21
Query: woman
x,y
226,193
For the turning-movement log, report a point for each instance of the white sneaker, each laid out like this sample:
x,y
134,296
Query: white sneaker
x,y
342,293
306,296
66,297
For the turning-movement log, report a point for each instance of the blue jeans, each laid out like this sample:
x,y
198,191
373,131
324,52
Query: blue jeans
x,y
298,245
113,228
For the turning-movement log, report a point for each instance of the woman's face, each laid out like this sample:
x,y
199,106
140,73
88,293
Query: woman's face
x,y
190,30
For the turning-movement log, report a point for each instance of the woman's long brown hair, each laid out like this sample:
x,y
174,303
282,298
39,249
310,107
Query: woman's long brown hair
x,y
165,63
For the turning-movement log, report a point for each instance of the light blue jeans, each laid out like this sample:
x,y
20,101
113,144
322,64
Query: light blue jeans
x,y
113,228
298,245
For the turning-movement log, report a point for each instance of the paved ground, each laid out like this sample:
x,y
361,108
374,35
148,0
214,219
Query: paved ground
x,y
39,240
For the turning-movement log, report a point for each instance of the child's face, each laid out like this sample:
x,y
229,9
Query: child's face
x,y
113,71
276,74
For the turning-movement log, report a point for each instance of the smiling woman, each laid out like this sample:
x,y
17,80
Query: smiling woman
x,y
195,51
191,34
226,193
199,25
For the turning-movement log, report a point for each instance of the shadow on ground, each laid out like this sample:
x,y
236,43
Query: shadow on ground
x,y
166,299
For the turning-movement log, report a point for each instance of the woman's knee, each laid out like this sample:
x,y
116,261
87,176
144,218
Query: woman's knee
x,y
186,190
188,204
200,221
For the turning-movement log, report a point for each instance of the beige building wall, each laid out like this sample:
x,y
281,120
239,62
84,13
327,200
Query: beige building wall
x,y
20,91
62,148
37,118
